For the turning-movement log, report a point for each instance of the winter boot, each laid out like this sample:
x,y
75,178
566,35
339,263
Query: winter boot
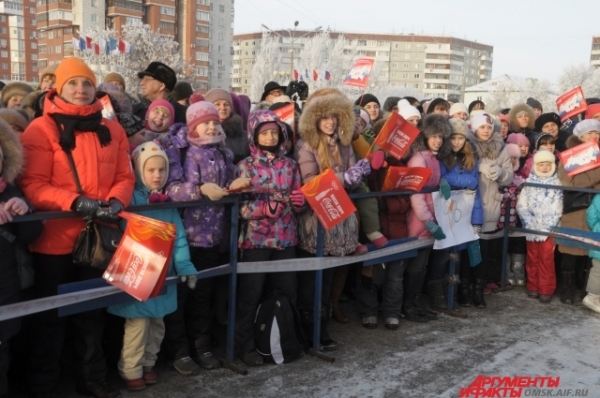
x,y
518,268
464,294
592,301
204,357
567,290
307,322
417,298
437,298
478,300
409,308
327,344
337,287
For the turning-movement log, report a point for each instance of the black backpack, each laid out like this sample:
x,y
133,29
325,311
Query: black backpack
x,y
278,334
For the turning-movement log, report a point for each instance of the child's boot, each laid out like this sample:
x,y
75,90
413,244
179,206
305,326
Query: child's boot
x,y
478,300
567,287
518,267
592,301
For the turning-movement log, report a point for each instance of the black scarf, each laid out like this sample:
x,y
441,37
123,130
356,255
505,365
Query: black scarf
x,y
68,124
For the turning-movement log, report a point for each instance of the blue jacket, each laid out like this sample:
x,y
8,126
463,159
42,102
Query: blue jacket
x,y
593,221
459,178
165,304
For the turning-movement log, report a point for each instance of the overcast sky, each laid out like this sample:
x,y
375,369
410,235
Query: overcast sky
x,y
531,38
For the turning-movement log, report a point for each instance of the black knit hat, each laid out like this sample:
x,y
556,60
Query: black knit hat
x,y
389,103
365,99
535,104
160,72
546,118
473,103
182,91
130,123
435,102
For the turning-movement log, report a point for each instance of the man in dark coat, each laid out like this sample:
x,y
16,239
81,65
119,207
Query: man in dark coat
x,y
157,82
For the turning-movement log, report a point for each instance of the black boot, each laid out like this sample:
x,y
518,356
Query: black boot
x,y
307,322
464,294
478,300
327,343
437,298
567,287
419,281
409,308
204,356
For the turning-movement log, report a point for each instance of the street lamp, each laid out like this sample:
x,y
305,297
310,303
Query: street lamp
x,y
292,37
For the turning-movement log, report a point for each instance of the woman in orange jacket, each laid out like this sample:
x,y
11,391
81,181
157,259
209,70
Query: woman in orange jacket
x,y
72,122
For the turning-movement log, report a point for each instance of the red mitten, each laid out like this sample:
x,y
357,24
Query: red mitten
x,y
377,160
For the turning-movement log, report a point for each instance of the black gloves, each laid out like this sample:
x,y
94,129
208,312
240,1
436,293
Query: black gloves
x,y
108,214
85,206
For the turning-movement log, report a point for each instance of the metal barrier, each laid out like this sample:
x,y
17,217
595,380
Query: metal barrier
x,y
86,295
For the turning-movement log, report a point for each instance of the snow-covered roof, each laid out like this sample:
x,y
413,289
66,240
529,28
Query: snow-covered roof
x,y
491,85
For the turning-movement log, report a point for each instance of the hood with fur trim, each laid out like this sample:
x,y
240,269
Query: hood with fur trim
x,y
489,149
433,124
512,116
12,161
321,106
572,141
257,118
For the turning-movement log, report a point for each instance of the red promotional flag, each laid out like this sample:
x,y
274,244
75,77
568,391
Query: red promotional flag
x,y
141,261
405,178
315,75
328,199
296,74
286,114
581,158
88,42
359,73
96,49
396,136
571,104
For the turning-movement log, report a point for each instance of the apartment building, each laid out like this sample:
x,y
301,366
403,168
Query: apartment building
x,y
437,66
595,54
18,44
203,29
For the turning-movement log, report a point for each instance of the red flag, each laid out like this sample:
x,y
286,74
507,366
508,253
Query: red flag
x,y
96,49
88,42
359,73
396,135
296,74
315,75
571,104
404,178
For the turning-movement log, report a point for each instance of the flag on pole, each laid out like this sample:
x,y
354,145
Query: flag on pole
x,y
327,75
295,74
76,45
88,42
306,73
124,47
114,47
315,75
301,78
82,45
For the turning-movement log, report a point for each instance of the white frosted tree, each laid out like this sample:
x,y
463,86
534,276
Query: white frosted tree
x,y
146,46
582,75
511,92
269,61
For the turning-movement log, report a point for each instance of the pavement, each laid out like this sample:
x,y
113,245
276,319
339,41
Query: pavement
x,y
514,336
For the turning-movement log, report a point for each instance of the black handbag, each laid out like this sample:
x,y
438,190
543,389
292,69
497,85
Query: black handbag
x,y
97,242
574,201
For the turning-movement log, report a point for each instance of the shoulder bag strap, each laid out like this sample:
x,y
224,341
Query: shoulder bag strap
x,y
74,171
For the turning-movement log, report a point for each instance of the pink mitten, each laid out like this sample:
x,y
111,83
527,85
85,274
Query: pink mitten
x,y
377,160
297,198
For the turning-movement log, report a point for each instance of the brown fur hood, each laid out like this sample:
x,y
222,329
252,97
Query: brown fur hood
x,y
489,149
512,116
318,107
433,124
12,162
573,141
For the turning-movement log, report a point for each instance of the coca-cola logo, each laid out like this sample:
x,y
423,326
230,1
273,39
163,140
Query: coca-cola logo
x,y
330,207
335,185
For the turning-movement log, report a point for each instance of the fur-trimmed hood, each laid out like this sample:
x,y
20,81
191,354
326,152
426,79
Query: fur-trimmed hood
x,y
12,161
433,124
512,116
255,120
489,149
322,106
572,141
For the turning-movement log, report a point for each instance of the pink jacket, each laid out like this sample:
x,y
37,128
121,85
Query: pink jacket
x,y
422,203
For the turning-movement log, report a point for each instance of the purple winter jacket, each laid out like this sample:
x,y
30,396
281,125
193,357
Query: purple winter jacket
x,y
203,163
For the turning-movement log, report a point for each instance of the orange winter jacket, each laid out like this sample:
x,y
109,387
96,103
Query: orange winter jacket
x,y
47,181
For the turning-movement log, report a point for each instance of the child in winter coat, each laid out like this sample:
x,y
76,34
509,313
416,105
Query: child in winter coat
x,y
269,229
460,170
523,143
592,298
205,171
144,326
431,144
544,141
495,170
540,210
160,116
13,203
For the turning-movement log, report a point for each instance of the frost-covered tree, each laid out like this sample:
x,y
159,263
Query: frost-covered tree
x,y
582,75
269,60
146,46
510,92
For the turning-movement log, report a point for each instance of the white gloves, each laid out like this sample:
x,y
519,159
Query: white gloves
x,y
191,281
491,171
476,229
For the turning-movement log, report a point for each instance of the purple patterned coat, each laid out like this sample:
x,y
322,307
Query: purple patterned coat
x,y
203,163
274,177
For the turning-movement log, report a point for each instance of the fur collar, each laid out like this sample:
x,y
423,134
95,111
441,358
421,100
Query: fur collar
x,y
489,149
322,106
572,141
512,116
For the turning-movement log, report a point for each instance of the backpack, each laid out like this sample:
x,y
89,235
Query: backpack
x,y
278,335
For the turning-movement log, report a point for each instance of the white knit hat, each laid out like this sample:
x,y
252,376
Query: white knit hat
x,y
544,156
480,120
458,107
406,110
142,153
585,126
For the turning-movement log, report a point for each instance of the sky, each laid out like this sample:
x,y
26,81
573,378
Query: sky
x,y
531,38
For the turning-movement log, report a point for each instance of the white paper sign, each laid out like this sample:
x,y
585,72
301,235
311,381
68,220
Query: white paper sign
x,y
454,217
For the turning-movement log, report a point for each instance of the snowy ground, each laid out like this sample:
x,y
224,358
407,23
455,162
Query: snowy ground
x,y
514,336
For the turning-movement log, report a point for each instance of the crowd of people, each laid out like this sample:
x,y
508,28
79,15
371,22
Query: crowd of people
x,y
60,150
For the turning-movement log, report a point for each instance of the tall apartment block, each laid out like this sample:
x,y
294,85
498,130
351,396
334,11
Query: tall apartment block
x,y
18,40
203,29
437,66
595,55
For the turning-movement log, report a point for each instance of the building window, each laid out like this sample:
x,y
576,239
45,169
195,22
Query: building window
x,y
34,57
58,49
94,3
133,21
167,25
361,42
202,16
94,18
220,35
200,56
407,46
417,66
4,65
167,10
3,43
221,8
405,75
395,55
417,76
404,66
417,56
406,56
